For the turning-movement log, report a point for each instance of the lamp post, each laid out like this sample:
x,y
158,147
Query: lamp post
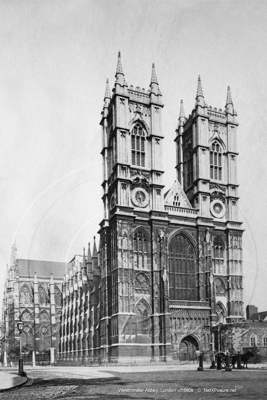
x,y
20,326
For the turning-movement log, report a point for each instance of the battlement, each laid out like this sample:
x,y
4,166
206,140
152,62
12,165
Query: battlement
x,y
138,94
217,115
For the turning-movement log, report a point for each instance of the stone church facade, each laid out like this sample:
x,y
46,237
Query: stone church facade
x,y
169,266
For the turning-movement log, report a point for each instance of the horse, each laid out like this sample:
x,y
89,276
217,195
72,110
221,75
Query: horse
x,y
244,358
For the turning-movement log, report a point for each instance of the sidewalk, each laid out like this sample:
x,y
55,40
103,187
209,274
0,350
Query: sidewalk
x,y
9,380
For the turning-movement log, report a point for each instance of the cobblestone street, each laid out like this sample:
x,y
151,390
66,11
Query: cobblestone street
x,y
82,384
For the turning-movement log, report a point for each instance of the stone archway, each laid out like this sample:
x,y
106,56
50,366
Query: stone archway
x,y
187,348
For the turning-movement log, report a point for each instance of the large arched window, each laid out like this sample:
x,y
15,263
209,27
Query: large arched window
x,y
218,254
216,161
138,146
140,249
182,280
253,340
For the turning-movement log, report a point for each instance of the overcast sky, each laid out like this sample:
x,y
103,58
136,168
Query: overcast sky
x,y
55,57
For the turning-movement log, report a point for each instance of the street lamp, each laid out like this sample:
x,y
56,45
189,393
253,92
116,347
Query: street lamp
x,y
20,326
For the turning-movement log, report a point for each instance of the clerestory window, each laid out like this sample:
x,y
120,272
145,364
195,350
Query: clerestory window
x,y
216,161
138,146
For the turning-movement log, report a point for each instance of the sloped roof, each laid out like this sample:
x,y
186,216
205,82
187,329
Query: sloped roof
x,y
175,190
42,268
259,316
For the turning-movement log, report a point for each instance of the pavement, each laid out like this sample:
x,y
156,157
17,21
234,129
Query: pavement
x,y
9,378
10,381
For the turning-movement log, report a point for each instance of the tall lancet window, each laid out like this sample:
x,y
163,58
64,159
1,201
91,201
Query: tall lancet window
x,y
218,248
138,145
140,249
216,161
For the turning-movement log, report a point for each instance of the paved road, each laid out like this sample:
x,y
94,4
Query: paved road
x,y
140,383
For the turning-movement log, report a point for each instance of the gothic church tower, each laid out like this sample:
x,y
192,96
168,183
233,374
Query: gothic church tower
x,y
207,169
132,312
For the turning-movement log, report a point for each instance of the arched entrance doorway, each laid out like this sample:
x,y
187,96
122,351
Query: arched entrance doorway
x,y
187,348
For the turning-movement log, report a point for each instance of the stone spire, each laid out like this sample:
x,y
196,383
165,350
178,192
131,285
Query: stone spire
x,y
89,257
120,80
153,75
13,256
84,261
107,98
89,264
182,114
84,268
94,249
229,96
181,119
199,88
107,91
200,97
154,86
229,106
119,65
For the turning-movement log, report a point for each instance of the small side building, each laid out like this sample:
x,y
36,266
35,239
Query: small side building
x,y
33,295
250,334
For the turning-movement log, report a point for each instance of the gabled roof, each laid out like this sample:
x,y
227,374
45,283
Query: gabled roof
x,y
176,196
43,269
259,316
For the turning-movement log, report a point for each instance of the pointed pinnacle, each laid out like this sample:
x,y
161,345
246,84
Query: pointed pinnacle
x,y
199,88
83,257
89,256
229,96
182,114
119,65
94,249
153,75
107,91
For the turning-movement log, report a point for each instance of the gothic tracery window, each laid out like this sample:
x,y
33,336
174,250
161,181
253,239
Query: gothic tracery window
x,y
218,247
42,296
138,145
25,295
140,249
57,296
216,161
182,277
141,283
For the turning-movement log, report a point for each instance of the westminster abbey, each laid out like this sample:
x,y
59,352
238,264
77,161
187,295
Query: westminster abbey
x,y
169,266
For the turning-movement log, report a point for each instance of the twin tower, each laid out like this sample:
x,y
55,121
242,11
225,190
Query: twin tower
x,y
170,264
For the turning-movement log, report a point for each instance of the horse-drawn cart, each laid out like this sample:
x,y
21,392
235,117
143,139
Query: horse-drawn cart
x,y
221,360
